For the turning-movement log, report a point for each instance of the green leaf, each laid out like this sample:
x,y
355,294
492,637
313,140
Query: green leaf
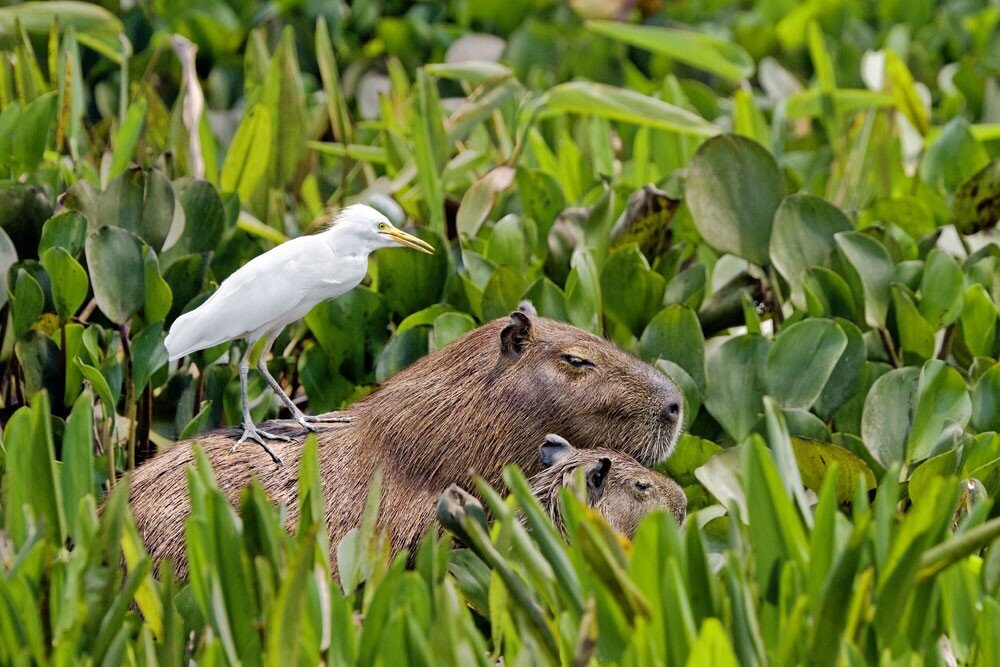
x,y
986,401
8,257
94,26
870,275
977,200
478,200
801,360
69,281
26,303
941,289
916,335
127,137
429,147
885,421
401,351
449,326
598,99
811,103
735,376
157,297
502,293
953,156
701,51
904,93
204,217
249,154
77,473
148,355
66,230
631,291
114,257
730,216
979,322
410,280
675,334
41,363
942,400
583,292
140,201
816,459
803,237
845,380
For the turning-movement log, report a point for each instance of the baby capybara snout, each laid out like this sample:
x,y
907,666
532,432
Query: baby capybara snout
x,y
618,487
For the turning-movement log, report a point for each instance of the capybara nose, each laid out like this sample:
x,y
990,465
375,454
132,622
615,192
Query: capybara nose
x,y
671,413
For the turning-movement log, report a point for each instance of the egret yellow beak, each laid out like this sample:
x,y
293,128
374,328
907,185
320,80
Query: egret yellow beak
x,y
410,241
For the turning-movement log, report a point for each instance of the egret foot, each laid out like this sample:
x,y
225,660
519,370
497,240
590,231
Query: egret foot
x,y
251,432
328,420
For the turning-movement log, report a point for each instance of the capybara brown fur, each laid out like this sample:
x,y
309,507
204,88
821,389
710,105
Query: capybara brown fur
x,y
484,401
619,488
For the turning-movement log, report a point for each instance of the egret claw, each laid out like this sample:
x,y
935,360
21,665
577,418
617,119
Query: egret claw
x,y
328,420
304,423
251,432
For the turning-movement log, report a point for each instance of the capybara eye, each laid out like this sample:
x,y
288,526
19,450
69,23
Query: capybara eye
x,y
643,486
577,362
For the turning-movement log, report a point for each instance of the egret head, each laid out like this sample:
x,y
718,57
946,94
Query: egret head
x,y
370,229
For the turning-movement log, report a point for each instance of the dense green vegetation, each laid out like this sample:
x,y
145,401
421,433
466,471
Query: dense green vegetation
x,y
788,207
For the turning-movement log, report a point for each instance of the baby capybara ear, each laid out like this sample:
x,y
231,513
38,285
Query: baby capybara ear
x,y
554,450
597,474
516,335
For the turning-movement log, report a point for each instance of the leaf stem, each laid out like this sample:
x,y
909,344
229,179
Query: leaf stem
x,y
890,347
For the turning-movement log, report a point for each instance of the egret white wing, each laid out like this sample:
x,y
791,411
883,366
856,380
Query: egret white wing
x,y
269,292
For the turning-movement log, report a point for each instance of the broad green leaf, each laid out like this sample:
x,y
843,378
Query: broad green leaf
x,y
803,237
583,292
26,302
248,155
204,216
66,230
941,400
845,379
449,326
801,360
986,401
69,281
816,458
675,334
871,272
502,293
953,156
114,257
77,473
95,26
478,200
41,363
631,291
599,99
701,51
401,351
148,355
885,421
735,379
8,257
140,201
916,335
409,280
730,216
979,322
941,289
977,200
127,137
157,297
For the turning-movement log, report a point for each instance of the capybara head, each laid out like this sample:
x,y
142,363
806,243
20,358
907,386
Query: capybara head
x,y
618,487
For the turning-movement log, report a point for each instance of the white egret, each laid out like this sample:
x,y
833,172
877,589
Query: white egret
x,y
279,287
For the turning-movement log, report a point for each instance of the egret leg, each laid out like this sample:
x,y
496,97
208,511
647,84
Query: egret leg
x,y
250,431
304,420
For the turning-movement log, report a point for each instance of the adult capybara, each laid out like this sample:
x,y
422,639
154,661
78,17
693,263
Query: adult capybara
x,y
620,488
478,404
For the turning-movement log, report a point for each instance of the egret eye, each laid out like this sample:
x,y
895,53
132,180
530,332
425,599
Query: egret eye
x,y
382,226
643,486
577,362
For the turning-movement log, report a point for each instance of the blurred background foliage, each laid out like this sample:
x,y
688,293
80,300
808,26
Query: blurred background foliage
x,y
788,207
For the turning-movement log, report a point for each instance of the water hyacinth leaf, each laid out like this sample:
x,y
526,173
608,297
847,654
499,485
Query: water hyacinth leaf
x,y
547,298
41,363
729,216
502,293
941,400
8,257
916,335
646,221
23,210
843,383
885,420
68,279
449,326
977,200
36,124
675,334
721,476
157,294
184,278
804,227
541,197
701,51
953,156
204,216
401,351
324,385
583,292
688,387
66,230
826,293
801,360
510,243
478,200
127,137
870,273
816,458
598,99
409,280
631,291
140,201
736,385
986,401
979,321
27,303
248,155
76,476
114,257
148,355
941,289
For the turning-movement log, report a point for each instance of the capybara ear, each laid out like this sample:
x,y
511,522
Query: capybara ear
x,y
597,474
554,449
515,336
528,308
